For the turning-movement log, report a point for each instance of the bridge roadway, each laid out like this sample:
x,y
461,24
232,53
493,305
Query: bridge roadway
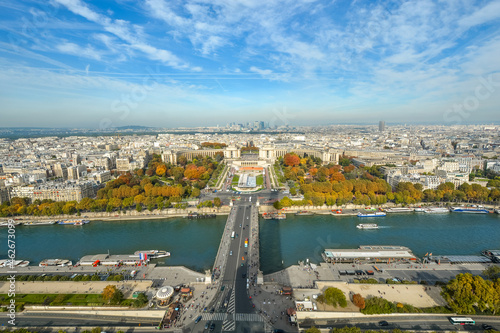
x,y
235,269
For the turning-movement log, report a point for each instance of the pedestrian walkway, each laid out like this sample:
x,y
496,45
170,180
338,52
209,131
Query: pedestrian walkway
x,y
228,325
214,316
248,317
232,303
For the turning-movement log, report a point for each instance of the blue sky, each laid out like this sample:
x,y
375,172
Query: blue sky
x,y
170,63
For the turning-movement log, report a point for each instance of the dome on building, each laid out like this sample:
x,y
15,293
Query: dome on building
x,y
165,292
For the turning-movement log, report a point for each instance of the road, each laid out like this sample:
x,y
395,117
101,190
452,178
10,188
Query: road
x,y
410,323
41,320
232,309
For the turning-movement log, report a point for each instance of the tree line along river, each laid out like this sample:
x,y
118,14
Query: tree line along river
x,y
194,243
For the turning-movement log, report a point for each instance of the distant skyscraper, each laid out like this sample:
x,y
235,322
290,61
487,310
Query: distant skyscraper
x,y
381,126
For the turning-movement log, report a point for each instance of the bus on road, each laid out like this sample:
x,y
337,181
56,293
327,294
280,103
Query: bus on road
x,y
462,321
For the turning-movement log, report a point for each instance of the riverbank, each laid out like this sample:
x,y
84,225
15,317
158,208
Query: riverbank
x,y
344,210
351,209
125,215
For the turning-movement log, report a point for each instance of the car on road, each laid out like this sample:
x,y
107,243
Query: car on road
x,y
230,253
207,325
487,327
383,323
243,275
278,331
197,320
212,327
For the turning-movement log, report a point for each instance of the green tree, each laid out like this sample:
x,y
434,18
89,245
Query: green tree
x,y
138,207
353,329
335,297
277,205
140,300
195,193
492,272
466,293
217,202
313,330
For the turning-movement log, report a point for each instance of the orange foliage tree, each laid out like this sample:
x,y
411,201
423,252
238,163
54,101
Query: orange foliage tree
x,y
291,160
358,300
161,169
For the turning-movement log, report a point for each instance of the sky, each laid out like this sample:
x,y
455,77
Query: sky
x,y
173,63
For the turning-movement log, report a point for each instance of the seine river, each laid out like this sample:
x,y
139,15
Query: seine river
x,y
194,243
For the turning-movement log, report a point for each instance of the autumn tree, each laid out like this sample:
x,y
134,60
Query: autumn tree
x,y
161,169
358,300
108,292
291,159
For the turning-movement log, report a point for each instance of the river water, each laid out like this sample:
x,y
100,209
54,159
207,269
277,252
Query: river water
x,y
194,243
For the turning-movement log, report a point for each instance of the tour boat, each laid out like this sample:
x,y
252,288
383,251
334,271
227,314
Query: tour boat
x,y
436,210
399,210
73,222
373,214
55,262
23,263
470,210
153,253
367,226
39,223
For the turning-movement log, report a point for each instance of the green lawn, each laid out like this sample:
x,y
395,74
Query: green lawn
x,y
235,180
55,299
260,179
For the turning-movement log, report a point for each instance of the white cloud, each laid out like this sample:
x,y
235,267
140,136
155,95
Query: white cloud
x,y
490,11
121,29
261,71
74,49
213,25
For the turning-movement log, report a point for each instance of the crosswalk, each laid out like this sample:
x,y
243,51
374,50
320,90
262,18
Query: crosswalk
x,y
213,316
232,303
229,324
247,317
231,317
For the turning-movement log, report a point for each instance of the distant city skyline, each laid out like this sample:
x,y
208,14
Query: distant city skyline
x,y
168,64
